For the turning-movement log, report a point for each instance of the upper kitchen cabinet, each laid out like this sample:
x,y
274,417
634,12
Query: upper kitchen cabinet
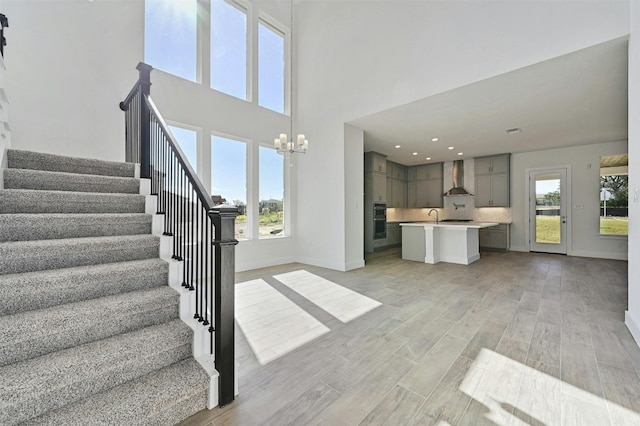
x,y
375,182
396,185
493,164
424,186
375,162
492,181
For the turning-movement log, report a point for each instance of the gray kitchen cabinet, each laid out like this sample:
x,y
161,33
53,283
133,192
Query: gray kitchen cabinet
x,y
492,164
495,237
396,185
411,195
394,234
424,186
492,181
398,197
375,162
379,187
396,171
375,181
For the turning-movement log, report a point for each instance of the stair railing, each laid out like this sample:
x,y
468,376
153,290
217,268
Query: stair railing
x,y
203,234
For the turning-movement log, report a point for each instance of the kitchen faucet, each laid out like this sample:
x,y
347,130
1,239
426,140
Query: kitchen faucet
x,y
437,218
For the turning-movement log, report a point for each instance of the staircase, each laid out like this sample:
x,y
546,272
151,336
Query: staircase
x,y
90,331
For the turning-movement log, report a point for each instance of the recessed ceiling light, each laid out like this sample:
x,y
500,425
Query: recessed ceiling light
x,y
460,153
397,146
513,130
428,158
415,153
450,147
434,139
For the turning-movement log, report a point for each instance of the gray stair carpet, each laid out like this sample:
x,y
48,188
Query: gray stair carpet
x,y
19,159
52,226
60,181
36,201
89,328
38,255
42,289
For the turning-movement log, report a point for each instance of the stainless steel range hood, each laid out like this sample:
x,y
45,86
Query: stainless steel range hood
x,y
458,180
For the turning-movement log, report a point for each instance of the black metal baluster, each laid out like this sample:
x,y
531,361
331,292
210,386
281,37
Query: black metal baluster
x,y
205,265
212,292
182,214
198,263
184,230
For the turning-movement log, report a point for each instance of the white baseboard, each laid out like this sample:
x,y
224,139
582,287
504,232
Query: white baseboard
x,y
354,265
257,264
633,326
518,248
601,255
323,264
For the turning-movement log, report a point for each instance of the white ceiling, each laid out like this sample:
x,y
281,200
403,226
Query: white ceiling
x,y
575,99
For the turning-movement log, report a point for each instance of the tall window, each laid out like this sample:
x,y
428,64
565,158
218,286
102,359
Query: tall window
x,y
170,36
271,64
188,141
229,48
614,195
229,177
271,206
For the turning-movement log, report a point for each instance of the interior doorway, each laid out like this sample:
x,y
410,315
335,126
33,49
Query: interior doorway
x,y
548,194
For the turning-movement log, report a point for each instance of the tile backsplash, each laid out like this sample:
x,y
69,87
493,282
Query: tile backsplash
x,y
465,210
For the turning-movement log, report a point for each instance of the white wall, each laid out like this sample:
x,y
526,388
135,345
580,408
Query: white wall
x,y
584,163
633,313
69,64
357,58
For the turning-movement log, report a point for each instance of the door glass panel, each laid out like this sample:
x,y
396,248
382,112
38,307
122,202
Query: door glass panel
x,y
548,218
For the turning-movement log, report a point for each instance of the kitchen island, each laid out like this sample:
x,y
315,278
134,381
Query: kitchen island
x,y
431,242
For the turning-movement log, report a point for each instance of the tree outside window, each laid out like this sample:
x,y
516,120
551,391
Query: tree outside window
x,y
614,195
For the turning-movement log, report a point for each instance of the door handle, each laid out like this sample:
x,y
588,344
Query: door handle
x,y
564,219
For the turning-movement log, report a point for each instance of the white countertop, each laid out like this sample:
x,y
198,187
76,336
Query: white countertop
x,y
463,225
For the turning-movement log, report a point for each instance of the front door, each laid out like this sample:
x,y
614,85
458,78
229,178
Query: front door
x,y
547,210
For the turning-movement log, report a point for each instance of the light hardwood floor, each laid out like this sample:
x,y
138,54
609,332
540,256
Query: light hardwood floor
x,y
512,339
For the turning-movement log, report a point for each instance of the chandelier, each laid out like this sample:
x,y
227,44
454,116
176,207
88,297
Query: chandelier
x,y
283,144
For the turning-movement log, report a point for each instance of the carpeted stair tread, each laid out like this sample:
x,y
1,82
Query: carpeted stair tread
x,y
31,388
163,397
50,226
35,201
19,159
28,256
62,181
35,333
41,289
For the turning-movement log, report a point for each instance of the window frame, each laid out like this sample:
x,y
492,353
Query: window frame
x,y
600,175
275,26
286,208
249,190
244,7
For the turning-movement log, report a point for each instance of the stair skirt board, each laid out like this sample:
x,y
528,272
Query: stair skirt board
x,y
50,200
203,348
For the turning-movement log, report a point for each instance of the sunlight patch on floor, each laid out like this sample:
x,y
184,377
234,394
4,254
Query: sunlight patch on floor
x,y
335,299
515,394
272,324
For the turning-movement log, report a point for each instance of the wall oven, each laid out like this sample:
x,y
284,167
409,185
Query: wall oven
x,y
379,221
